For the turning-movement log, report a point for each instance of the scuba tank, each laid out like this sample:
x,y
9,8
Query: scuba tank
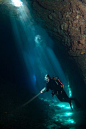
x,y
58,82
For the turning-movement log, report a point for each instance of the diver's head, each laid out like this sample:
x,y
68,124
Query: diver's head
x,y
47,78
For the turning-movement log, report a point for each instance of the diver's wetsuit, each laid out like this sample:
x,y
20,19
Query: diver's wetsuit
x,y
57,90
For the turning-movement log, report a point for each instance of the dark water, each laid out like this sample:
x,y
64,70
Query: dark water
x,y
15,87
12,67
14,78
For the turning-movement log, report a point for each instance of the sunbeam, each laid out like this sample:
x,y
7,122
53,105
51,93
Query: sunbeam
x,y
38,48
17,3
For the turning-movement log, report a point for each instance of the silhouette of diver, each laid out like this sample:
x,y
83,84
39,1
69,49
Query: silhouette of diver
x,y
57,88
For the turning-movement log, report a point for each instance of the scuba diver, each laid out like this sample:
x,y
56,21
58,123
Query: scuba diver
x,y
57,88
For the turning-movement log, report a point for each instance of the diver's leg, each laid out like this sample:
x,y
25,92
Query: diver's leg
x,y
65,98
62,96
78,105
59,97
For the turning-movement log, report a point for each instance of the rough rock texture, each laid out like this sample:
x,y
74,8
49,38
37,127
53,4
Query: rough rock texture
x,y
67,20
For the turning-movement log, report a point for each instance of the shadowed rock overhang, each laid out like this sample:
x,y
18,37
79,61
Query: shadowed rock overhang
x,y
67,21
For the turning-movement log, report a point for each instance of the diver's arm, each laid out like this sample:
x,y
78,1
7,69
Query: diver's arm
x,y
45,89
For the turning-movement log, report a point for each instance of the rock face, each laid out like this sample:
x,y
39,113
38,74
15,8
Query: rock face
x,y
66,19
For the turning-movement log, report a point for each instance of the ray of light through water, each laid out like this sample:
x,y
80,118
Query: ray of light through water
x,y
36,47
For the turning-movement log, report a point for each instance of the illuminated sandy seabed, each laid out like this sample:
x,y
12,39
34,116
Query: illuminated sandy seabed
x,y
62,116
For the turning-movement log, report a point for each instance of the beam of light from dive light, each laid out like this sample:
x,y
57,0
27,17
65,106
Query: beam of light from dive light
x,y
31,100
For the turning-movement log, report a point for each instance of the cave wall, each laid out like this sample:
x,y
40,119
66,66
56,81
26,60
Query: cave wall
x,y
66,20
